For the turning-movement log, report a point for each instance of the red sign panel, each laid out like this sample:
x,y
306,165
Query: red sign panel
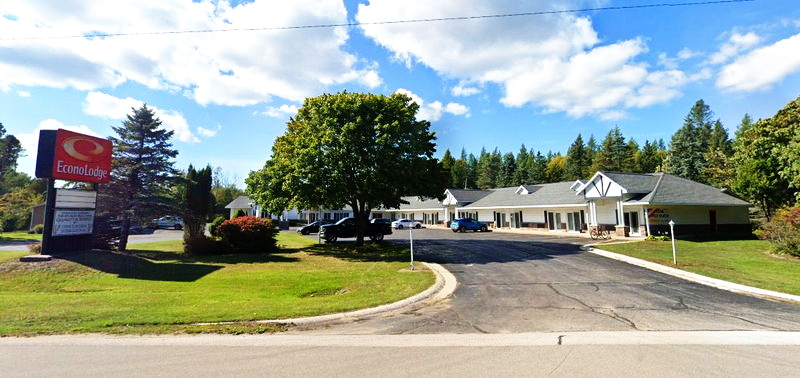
x,y
79,157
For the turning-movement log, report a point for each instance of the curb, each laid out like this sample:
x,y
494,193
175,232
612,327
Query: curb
x,y
697,278
444,286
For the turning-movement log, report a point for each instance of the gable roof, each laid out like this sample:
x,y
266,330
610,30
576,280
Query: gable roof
x,y
414,203
241,202
467,195
674,190
542,195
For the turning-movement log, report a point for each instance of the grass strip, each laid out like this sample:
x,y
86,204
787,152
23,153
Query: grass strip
x,y
747,262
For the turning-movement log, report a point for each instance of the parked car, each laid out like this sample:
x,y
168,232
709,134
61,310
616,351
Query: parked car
x,y
169,221
463,224
381,220
346,228
406,223
312,227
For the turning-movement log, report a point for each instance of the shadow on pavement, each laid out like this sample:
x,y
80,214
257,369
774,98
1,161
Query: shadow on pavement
x,y
487,251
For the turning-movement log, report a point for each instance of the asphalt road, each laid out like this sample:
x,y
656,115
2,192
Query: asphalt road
x,y
511,283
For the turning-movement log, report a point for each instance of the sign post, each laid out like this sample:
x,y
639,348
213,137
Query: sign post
x,y
411,239
69,214
672,235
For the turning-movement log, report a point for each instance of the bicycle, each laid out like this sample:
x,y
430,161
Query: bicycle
x,y
597,233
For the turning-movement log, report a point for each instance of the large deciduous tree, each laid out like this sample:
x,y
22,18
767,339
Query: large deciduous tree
x,y
142,169
350,149
10,150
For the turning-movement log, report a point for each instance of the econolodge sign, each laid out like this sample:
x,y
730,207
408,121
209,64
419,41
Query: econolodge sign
x,y
66,155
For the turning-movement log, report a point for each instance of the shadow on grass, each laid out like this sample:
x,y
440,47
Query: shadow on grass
x,y
369,252
135,267
236,258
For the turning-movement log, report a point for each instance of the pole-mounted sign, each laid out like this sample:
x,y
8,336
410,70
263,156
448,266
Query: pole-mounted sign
x,y
65,155
69,214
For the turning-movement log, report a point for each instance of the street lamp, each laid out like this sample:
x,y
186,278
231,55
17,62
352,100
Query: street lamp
x,y
672,235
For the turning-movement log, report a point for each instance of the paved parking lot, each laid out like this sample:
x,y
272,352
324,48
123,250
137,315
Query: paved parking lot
x,y
510,283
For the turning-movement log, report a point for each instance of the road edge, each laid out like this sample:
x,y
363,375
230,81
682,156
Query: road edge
x,y
697,278
442,288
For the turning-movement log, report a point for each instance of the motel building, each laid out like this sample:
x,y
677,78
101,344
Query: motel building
x,y
628,204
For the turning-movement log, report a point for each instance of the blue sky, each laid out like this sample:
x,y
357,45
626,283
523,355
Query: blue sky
x,y
495,82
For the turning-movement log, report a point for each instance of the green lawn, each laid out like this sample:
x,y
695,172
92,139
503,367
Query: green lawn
x,y
748,262
156,289
19,236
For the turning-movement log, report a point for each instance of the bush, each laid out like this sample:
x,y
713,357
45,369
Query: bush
x,y
205,246
783,231
38,229
36,248
249,234
212,229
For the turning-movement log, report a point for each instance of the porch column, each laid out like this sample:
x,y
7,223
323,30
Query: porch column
x,y
647,220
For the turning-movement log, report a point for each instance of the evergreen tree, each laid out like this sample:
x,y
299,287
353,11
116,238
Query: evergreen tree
x,y
472,172
198,202
632,157
591,154
649,159
524,162
507,170
447,160
458,174
142,169
577,161
719,139
613,153
745,125
538,173
690,143
489,166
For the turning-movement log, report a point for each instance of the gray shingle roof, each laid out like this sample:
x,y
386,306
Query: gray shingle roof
x,y
414,203
241,202
468,195
557,193
634,182
674,190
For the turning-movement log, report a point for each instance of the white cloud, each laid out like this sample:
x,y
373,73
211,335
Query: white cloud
x,y
23,94
672,63
736,44
762,67
283,111
462,90
208,133
227,68
555,62
107,106
433,111
30,141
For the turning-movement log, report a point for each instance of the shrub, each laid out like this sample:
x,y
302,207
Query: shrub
x,y
239,213
783,231
248,234
105,233
36,248
212,229
205,246
38,229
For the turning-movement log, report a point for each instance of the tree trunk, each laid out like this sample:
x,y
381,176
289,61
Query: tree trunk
x,y
124,230
357,213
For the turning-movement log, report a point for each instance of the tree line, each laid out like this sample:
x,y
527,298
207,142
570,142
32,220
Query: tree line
x,y
761,163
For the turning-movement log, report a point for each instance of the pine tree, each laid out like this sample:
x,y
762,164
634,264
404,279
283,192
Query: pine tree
x,y
613,152
649,158
591,154
507,170
458,174
538,171
472,172
524,162
719,139
632,157
447,160
556,168
690,143
577,161
142,169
